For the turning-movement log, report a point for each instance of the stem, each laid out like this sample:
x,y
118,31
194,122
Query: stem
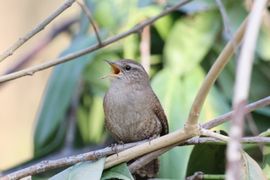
x,y
241,90
212,75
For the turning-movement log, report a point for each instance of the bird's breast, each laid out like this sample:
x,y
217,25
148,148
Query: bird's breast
x,y
129,116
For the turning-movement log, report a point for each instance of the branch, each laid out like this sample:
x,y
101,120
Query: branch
x,y
8,52
225,18
44,166
212,75
91,20
226,117
216,139
145,48
48,64
241,90
41,45
212,123
206,132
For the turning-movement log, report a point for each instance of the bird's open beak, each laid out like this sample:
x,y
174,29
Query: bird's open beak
x,y
115,69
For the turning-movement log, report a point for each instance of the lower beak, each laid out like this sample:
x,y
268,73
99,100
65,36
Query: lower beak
x,y
115,68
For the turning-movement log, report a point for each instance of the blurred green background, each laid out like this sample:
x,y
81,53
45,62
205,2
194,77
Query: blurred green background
x,y
183,46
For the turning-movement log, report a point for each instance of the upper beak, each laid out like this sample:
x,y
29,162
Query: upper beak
x,y
115,68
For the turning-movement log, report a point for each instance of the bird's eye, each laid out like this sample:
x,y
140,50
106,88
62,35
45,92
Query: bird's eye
x,y
127,67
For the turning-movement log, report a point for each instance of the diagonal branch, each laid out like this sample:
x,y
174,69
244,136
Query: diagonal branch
x,y
226,117
8,52
41,45
91,20
48,64
211,77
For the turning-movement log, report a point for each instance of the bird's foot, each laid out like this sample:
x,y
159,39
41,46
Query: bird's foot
x,y
114,147
151,138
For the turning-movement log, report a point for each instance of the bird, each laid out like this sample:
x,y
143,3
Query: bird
x,y
132,110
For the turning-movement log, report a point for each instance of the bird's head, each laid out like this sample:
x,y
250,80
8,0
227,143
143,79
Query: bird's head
x,y
128,71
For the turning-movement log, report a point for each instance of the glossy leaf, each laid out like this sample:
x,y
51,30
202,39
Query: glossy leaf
x,y
189,41
207,158
90,112
120,171
96,120
61,86
250,168
176,96
113,15
82,171
168,88
266,160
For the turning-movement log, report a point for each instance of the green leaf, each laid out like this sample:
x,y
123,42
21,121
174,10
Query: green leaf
x,y
169,90
113,14
214,103
236,14
207,158
250,168
190,40
120,171
164,26
61,86
131,47
196,6
263,47
176,96
82,171
266,160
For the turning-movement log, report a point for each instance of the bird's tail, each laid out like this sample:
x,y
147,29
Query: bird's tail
x,y
150,170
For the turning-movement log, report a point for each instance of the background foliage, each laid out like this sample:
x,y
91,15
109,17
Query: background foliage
x,y
184,45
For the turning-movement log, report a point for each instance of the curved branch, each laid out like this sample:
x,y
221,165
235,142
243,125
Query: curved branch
x,y
226,117
212,75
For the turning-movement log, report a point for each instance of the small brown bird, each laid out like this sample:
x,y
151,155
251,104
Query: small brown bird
x,y
132,110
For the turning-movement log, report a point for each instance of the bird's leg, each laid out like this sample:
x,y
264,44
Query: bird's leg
x,y
152,137
114,146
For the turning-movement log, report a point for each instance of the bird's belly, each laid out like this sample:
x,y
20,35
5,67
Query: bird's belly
x,y
128,122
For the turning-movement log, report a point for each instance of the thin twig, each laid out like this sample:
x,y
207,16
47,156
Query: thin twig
x,y
8,52
241,90
225,17
41,45
88,13
145,48
144,160
226,117
227,25
71,56
208,133
212,75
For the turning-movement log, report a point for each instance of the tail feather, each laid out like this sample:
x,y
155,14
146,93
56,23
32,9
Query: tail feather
x,y
150,170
